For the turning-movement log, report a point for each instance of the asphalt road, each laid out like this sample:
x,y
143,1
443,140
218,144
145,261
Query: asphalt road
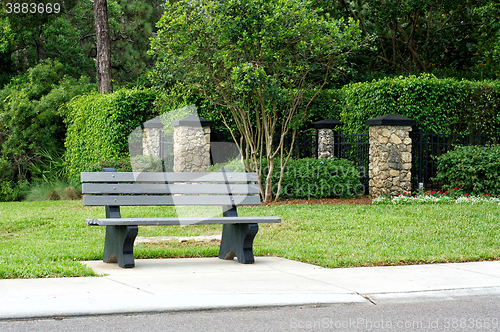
x,y
457,314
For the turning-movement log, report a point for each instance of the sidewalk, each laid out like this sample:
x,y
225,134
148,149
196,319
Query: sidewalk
x,y
159,285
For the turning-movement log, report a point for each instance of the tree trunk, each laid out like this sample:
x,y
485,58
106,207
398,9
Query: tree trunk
x,y
103,44
40,50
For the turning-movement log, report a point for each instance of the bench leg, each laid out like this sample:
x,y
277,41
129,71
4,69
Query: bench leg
x,y
119,245
237,240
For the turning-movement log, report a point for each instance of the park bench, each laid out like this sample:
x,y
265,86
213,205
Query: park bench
x,y
114,189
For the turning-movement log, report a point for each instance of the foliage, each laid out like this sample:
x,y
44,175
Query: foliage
x,y
170,100
147,164
325,105
99,126
69,37
487,57
120,165
319,178
475,168
31,127
13,191
453,196
311,178
257,58
234,165
438,105
55,190
49,168
446,38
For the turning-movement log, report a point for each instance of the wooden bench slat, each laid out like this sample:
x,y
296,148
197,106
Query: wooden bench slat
x,y
180,221
225,177
164,188
117,200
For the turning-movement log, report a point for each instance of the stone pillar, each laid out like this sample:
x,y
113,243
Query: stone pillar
x,y
325,132
191,144
390,154
151,137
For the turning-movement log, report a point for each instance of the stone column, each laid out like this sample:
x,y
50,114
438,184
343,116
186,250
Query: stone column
x,y
326,140
191,144
390,154
151,137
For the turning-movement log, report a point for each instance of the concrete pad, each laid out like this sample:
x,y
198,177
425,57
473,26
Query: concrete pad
x,y
193,265
491,268
408,278
159,285
268,275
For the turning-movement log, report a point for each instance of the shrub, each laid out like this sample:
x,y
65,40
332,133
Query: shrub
x,y
99,126
474,168
13,191
53,191
120,165
438,105
310,178
318,178
30,124
147,164
234,165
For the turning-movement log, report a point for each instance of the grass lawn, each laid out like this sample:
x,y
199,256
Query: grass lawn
x,y
47,239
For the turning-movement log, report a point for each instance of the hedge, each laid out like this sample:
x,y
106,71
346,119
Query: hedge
x,y
325,105
438,105
309,178
99,125
476,169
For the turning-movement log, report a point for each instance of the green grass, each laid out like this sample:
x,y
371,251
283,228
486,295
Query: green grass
x,y
48,238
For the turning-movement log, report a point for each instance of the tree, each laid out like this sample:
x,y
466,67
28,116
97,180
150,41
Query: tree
x,y
30,122
103,45
447,38
69,36
257,58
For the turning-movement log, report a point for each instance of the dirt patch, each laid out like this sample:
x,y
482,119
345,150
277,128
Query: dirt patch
x,y
324,201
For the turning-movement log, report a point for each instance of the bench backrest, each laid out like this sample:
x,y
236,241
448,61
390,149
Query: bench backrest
x,y
156,188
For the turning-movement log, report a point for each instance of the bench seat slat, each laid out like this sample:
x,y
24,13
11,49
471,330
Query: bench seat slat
x,y
157,188
131,200
225,177
180,221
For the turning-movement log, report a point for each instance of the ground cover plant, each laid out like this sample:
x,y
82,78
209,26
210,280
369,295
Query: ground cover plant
x,y
457,195
49,238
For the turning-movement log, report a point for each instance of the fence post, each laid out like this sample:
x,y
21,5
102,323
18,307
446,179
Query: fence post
x,y
191,144
326,141
390,154
151,137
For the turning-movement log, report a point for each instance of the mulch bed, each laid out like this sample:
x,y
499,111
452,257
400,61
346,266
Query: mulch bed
x,y
324,201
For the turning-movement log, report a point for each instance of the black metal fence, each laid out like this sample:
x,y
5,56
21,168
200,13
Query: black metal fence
x,y
167,151
304,145
356,148
353,147
428,146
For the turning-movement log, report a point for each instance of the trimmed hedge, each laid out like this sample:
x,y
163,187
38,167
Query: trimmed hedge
x,y
438,105
325,105
475,168
99,125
